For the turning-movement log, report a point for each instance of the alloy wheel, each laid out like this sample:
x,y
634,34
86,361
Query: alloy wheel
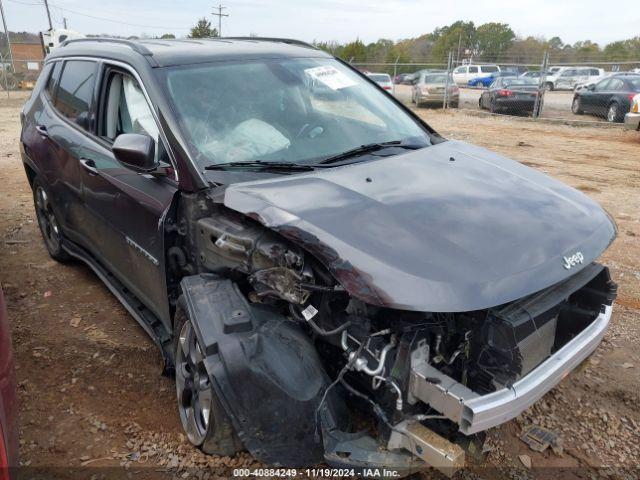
x,y
193,386
47,220
612,113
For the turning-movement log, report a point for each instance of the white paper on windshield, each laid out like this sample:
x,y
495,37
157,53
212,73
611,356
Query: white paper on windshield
x,y
331,77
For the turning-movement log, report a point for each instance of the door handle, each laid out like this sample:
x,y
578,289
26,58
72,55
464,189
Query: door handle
x,y
42,130
89,166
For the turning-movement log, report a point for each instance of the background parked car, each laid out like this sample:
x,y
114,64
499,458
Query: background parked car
x,y
510,95
418,73
8,398
632,119
464,73
566,78
484,82
610,98
382,79
430,89
535,74
402,77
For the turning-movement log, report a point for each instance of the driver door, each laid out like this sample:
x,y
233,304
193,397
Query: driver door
x,y
124,209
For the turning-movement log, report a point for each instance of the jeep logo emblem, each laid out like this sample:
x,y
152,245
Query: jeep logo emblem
x,y
573,260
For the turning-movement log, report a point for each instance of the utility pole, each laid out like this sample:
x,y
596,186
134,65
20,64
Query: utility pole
x,y
6,32
219,15
64,22
46,5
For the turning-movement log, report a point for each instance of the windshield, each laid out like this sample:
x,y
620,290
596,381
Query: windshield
x,y
380,77
436,79
512,82
298,110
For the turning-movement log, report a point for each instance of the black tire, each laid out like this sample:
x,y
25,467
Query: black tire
x,y
49,225
454,105
576,106
492,106
549,86
204,420
614,113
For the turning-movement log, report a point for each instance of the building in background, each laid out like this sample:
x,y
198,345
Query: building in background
x,y
28,58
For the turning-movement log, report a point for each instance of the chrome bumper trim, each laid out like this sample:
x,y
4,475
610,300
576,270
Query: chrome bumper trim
x,y
475,413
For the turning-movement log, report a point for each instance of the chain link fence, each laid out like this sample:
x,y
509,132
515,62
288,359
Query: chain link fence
x,y
19,74
590,90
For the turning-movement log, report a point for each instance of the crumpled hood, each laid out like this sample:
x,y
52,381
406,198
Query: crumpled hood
x,y
452,227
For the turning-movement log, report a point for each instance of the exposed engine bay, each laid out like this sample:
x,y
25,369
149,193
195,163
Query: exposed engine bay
x,y
402,369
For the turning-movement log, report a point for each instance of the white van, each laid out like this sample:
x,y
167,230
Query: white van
x,y
567,78
464,73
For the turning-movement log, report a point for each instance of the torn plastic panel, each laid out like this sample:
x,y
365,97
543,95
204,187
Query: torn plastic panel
x,y
264,369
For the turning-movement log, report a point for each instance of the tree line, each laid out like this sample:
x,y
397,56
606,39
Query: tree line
x,y
489,42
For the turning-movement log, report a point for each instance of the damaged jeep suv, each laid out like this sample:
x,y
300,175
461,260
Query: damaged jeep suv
x,y
309,255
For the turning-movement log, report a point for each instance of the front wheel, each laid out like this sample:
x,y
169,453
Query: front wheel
x,y
613,113
576,106
203,418
549,86
49,226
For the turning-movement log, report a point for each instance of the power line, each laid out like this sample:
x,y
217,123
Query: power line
x,y
96,17
220,15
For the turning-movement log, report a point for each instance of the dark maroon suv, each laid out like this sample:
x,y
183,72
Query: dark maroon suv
x,y
306,251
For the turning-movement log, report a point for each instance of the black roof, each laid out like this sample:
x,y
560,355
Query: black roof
x,y
162,53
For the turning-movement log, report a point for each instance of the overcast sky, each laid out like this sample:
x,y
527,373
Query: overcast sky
x,y
340,20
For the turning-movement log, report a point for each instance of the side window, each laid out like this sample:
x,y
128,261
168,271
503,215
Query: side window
x,y
125,110
489,68
52,82
603,85
473,69
459,70
594,72
75,91
615,84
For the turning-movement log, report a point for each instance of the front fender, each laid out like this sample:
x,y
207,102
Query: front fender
x,y
265,371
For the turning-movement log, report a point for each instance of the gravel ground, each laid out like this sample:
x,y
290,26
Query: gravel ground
x,y
93,400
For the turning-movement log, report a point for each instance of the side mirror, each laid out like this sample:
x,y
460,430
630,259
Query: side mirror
x,y
135,151
591,86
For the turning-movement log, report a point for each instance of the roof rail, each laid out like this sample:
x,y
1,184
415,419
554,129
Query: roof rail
x,y
289,41
137,47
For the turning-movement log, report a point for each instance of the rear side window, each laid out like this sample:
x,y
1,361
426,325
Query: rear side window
x,y
473,69
594,72
615,84
75,91
52,83
489,68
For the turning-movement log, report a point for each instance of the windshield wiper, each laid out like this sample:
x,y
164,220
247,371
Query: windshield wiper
x,y
369,147
263,165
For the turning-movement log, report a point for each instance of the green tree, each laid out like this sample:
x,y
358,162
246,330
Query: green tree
x,y
493,39
355,50
585,51
167,36
447,39
203,29
555,43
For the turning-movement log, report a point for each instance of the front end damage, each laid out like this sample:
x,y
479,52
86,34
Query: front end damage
x,y
310,373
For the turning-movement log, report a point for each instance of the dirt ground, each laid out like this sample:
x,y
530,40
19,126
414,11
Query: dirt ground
x,y
91,393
